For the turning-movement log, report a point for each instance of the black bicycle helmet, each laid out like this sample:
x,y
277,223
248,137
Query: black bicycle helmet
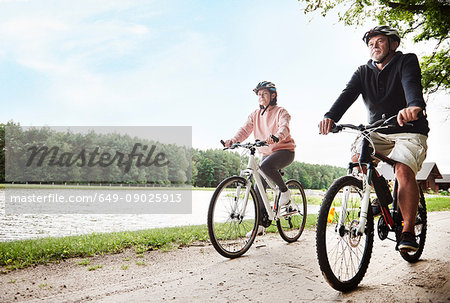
x,y
382,30
272,89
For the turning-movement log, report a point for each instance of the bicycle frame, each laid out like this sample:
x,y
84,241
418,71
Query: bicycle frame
x,y
234,215
344,247
254,170
366,163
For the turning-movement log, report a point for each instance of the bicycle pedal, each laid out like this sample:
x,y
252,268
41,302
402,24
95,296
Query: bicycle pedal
x,y
287,211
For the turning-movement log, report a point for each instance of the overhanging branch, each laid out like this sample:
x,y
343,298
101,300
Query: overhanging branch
x,y
417,7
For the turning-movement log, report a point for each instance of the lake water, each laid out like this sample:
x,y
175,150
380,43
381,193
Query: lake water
x,y
15,227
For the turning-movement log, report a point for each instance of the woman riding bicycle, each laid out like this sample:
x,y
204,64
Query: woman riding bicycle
x,y
270,119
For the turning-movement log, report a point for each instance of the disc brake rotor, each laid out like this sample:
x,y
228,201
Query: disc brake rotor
x,y
353,236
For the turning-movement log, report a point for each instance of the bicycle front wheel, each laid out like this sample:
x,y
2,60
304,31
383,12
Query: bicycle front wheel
x,y
343,254
293,220
233,217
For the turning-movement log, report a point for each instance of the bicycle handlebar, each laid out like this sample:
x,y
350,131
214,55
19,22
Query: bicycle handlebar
x,y
390,122
249,145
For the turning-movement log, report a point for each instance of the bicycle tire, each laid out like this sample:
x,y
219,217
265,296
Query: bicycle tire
x,y
420,230
344,269
291,226
230,233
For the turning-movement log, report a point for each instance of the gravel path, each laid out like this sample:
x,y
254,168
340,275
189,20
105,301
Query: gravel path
x,y
271,271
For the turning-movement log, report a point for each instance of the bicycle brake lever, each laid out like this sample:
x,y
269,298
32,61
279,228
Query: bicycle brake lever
x,y
275,138
260,143
224,146
234,145
336,128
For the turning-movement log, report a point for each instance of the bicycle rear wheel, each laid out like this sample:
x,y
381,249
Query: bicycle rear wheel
x,y
291,224
232,220
420,230
343,254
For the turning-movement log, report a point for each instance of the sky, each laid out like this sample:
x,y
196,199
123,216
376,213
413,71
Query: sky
x,y
187,63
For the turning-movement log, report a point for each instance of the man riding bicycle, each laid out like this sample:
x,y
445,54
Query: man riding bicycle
x,y
269,119
390,84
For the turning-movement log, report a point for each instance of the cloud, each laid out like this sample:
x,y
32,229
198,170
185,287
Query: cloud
x,y
160,63
71,53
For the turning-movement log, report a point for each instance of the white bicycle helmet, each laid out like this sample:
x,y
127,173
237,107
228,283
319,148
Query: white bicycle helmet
x,y
382,30
271,87
267,85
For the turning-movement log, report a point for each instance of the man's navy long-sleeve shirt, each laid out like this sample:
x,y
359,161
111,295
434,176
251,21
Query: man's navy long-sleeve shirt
x,y
388,91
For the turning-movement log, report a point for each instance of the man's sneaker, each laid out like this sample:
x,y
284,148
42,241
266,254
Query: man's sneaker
x,y
284,198
261,231
376,208
408,242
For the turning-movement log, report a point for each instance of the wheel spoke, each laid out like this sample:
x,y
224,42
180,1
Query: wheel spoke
x,y
228,226
293,217
343,254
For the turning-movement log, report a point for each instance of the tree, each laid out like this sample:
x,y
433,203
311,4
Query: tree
x,y
205,176
425,20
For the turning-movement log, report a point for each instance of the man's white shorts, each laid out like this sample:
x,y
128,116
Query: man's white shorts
x,y
406,148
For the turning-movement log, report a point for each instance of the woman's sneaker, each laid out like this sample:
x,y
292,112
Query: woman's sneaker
x,y
408,242
285,197
260,231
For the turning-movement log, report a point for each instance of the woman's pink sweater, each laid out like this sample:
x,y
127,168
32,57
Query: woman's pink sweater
x,y
275,121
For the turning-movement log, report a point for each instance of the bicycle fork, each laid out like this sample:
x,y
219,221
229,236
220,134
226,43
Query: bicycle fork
x,y
364,207
364,204
241,213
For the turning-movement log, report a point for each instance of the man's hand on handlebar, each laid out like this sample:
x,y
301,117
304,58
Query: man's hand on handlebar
x,y
325,126
408,114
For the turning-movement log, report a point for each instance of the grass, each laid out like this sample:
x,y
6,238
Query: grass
x,y
25,253
310,224
314,200
441,203
84,262
95,267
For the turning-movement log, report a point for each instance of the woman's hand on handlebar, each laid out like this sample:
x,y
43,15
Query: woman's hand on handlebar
x,y
272,139
228,143
325,126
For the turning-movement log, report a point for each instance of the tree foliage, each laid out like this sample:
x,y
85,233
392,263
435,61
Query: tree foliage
x,y
424,20
212,166
202,168
46,155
